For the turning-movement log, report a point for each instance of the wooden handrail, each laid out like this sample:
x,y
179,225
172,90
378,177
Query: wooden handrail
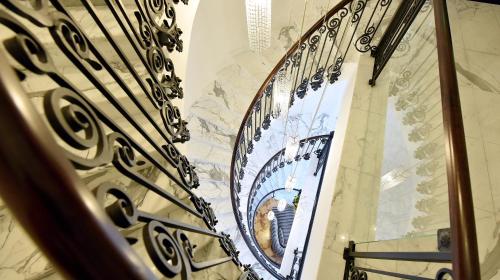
x,y
462,222
44,193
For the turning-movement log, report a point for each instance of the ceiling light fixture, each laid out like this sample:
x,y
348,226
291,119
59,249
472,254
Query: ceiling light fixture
x,y
259,24
281,96
291,148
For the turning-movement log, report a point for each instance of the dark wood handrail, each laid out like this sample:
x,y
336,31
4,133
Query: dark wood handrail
x,y
44,193
463,228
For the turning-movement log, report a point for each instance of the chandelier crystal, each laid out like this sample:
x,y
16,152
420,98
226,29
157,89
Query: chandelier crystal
x,y
281,204
281,93
259,24
291,148
270,215
291,182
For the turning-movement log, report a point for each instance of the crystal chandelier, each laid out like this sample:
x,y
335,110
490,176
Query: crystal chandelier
x,y
291,181
270,215
281,204
291,148
259,24
281,93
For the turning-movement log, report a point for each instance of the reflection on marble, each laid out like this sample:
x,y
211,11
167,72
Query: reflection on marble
x,y
286,33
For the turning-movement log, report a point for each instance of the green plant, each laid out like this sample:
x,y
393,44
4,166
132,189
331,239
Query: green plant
x,y
296,200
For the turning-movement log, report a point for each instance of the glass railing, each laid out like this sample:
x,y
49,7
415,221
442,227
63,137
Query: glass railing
x,y
406,167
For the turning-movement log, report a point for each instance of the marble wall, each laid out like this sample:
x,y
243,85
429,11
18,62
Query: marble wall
x,y
477,52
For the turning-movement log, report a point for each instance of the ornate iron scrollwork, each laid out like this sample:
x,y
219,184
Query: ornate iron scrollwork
x,y
401,22
363,43
355,273
164,250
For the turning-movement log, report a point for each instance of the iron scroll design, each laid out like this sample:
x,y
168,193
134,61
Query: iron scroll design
x,y
88,122
364,42
400,23
354,272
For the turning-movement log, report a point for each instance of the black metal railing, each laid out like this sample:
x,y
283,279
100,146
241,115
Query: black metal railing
x,y
307,147
317,146
316,58
401,22
297,257
353,271
323,156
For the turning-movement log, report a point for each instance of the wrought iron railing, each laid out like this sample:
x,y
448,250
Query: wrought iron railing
x,y
317,57
307,147
312,146
315,60
307,75
323,156
353,271
294,273
101,103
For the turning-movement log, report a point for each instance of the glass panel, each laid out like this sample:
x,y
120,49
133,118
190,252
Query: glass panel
x,y
409,194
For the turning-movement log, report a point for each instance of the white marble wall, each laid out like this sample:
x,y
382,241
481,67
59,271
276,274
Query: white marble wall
x,y
477,51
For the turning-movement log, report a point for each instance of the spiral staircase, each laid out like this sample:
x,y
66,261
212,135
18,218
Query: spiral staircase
x,y
315,74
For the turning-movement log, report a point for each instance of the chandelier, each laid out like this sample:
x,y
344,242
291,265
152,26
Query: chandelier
x,y
291,183
281,93
291,148
259,24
